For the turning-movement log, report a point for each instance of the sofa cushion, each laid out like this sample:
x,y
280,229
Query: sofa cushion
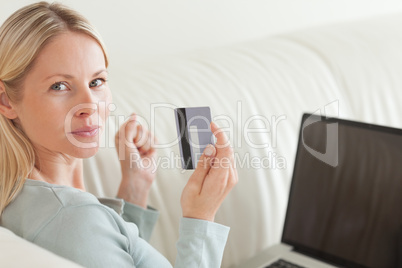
x,y
18,252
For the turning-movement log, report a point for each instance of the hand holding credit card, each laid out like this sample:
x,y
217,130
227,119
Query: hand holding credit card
x,y
193,130
215,172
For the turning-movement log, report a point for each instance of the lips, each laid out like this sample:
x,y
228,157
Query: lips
x,y
88,131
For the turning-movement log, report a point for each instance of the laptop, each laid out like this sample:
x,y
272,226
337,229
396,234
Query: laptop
x,y
345,200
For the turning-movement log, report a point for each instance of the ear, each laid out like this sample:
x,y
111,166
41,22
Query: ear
x,y
6,108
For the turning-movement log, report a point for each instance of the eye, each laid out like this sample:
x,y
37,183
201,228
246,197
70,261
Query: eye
x,y
58,86
97,82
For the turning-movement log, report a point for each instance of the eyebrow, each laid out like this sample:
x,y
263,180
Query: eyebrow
x,y
68,76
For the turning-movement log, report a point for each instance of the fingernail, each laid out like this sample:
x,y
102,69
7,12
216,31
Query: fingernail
x,y
209,150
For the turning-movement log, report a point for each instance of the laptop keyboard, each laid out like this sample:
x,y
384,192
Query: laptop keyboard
x,y
283,264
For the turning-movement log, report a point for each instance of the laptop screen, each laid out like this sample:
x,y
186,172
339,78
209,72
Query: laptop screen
x,y
345,202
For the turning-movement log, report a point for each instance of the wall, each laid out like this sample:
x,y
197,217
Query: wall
x,y
137,30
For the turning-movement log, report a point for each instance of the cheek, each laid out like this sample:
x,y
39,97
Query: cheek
x,y
107,100
41,116
42,123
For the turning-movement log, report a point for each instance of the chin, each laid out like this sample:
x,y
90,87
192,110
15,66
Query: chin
x,y
83,147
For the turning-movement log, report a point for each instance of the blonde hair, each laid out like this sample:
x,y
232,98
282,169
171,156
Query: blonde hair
x,y
22,36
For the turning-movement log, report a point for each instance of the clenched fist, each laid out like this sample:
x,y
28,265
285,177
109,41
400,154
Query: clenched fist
x,y
137,160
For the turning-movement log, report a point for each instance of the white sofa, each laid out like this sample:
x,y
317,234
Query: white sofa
x,y
351,69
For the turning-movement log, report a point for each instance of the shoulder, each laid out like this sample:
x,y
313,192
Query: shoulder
x,y
84,230
40,203
57,195
54,202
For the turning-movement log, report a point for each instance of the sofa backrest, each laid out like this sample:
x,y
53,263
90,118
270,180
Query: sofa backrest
x,y
351,70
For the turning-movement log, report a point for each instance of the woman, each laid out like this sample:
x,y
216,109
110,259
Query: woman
x,y
53,70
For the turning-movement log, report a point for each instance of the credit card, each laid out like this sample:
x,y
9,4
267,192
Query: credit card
x,y
194,133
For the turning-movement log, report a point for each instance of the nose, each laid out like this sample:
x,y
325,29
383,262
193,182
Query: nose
x,y
87,103
86,109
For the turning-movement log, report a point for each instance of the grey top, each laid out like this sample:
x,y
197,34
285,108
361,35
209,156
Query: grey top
x,y
76,225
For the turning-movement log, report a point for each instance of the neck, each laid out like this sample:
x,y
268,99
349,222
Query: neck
x,y
59,169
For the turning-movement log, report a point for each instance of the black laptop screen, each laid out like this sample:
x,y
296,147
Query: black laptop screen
x,y
345,203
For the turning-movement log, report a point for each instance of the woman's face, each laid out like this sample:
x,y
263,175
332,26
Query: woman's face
x,y
65,97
